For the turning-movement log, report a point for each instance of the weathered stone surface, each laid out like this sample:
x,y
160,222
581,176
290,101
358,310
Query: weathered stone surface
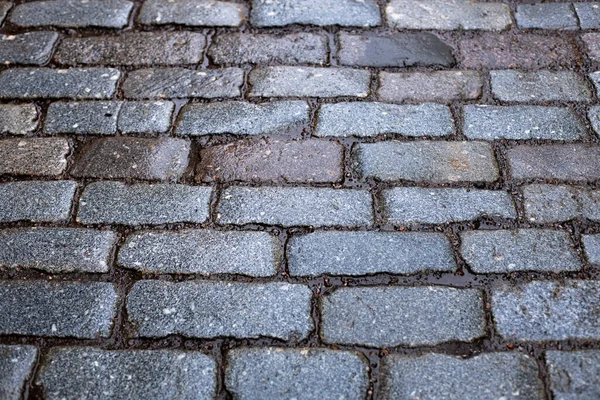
x,y
192,13
440,86
83,118
424,161
5,7
36,201
552,203
548,310
272,160
288,49
117,203
315,12
182,83
16,365
218,309
397,50
305,373
18,119
521,122
421,316
308,82
133,48
413,205
363,253
588,14
591,243
80,83
447,15
436,376
56,249
203,252
574,374
73,13
539,86
59,309
138,158
592,45
595,78
241,118
501,251
289,206
546,16
372,119
145,116
33,156
27,48
156,374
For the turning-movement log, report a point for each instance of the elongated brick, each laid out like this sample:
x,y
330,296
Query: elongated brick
x,y
18,119
34,156
538,86
588,14
574,374
218,309
591,243
36,201
61,309
392,316
192,13
27,48
86,117
145,116
300,206
442,86
16,365
202,251
413,205
372,119
552,203
548,310
117,203
363,253
157,374
546,16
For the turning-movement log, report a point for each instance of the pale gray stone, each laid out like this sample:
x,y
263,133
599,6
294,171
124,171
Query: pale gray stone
x,y
539,86
18,119
591,244
588,14
36,201
552,203
440,86
192,13
145,116
546,16
16,365
574,375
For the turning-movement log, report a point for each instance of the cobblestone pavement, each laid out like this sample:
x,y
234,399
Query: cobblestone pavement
x,y
299,199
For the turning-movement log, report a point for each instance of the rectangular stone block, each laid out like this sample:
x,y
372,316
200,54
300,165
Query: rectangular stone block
x,y
5,7
557,203
27,48
590,40
426,161
574,374
18,119
364,253
546,16
145,117
591,244
308,82
218,309
34,156
410,316
16,366
192,13
83,118
117,203
588,14
539,86
36,201
57,309
300,206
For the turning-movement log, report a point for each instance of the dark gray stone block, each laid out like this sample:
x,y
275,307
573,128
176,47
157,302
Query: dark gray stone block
x,y
546,16
145,116
27,48
83,118
588,14
16,365
36,201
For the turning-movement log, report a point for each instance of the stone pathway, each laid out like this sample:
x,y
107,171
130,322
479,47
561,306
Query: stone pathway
x,y
299,199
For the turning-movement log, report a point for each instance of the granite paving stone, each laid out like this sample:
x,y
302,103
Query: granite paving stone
x,y
36,201
83,118
591,244
16,365
220,309
18,119
34,156
574,374
595,78
538,86
5,7
27,48
546,16
192,13
592,45
588,14
552,203
82,310
147,117
203,252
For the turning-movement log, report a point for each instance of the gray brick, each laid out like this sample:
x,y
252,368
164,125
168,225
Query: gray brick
x,y
18,119
546,16
56,249
501,251
538,86
83,118
391,316
58,309
423,161
574,374
521,123
363,253
5,7
448,15
27,48
397,50
80,83
192,13
292,48
488,376
315,12
588,14
217,309
183,83
16,365
592,46
301,206
36,201
133,48
372,119
572,162
155,374
591,243
241,118
202,252
414,205
117,203
73,13
162,159
305,373
33,156
548,310
441,86
145,116
552,203
309,82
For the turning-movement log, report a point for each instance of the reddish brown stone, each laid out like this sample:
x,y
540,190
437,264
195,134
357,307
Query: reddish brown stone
x,y
267,160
